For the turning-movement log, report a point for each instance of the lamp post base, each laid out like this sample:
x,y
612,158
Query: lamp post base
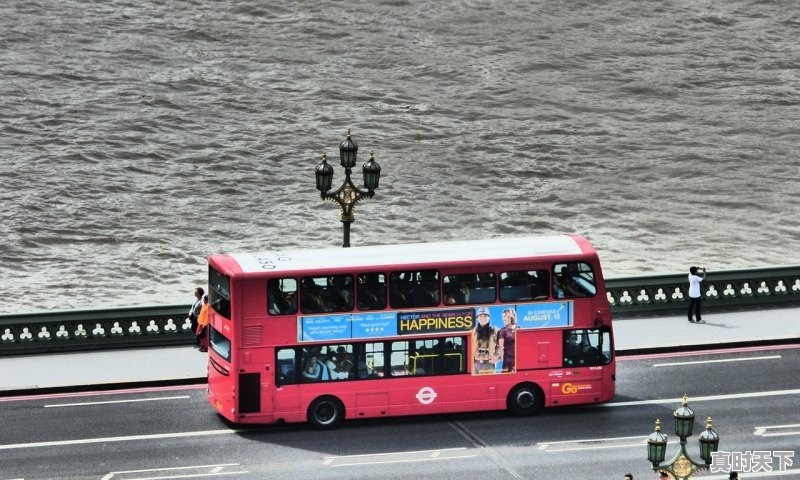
x,y
346,243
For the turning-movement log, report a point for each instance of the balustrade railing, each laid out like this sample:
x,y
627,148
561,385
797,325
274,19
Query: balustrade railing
x,y
728,289
168,325
94,329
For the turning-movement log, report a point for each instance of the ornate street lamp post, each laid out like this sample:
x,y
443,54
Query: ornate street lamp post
x,y
348,194
682,466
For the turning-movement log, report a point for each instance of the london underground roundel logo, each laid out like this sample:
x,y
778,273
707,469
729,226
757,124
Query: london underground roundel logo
x,y
426,395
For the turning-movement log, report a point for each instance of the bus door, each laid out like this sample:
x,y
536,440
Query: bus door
x,y
417,393
586,351
481,392
256,381
286,391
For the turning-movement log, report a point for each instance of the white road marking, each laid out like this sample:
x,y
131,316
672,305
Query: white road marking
x,y
794,471
101,392
410,460
403,461
609,439
191,475
83,404
411,452
131,438
214,470
330,461
597,447
709,398
702,362
593,444
486,448
763,431
396,457
694,353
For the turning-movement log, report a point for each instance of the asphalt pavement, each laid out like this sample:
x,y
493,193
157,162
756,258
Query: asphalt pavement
x,y
183,364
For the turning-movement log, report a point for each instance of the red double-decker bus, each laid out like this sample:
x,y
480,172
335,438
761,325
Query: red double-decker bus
x,y
333,334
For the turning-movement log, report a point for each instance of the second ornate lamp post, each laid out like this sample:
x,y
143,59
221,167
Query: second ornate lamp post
x,y
682,466
348,194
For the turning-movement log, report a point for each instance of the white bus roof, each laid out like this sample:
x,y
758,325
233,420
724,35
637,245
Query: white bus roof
x,y
406,254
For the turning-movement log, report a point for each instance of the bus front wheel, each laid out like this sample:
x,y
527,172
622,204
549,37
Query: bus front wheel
x,y
325,413
525,399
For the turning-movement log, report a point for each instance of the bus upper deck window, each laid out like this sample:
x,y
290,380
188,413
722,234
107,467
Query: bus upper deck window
x,y
371,291
282,296
470,288
327,294
524,285
414,289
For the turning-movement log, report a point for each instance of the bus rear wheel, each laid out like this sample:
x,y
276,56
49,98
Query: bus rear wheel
x,y
524,400
325,413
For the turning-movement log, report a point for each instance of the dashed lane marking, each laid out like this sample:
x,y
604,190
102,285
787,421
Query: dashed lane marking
x,y
591,444
732,396
777,430
84,441
723,360
192,471
397,457
84,404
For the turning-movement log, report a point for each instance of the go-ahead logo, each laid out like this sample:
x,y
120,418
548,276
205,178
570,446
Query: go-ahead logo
x,y
569,388
426,395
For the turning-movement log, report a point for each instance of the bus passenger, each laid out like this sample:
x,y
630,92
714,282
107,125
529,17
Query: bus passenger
x,y
310,296
344,365
313,369
343,289
565,286
330,366
280,302
363,369
457,290
484,340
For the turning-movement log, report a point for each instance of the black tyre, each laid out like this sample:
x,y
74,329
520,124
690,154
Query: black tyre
x,y
325,413
524,400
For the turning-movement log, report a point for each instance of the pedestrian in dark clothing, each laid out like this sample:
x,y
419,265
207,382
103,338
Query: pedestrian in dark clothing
x,y
194,312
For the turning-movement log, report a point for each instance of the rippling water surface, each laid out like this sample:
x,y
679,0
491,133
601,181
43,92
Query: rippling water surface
x,y
138,137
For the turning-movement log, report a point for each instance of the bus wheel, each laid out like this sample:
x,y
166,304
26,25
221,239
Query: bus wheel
x,y
325,413
525,399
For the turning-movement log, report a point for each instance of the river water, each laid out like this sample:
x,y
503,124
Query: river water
x,y
138,137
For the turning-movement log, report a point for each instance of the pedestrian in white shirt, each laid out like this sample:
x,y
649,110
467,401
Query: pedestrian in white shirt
x,y
694,292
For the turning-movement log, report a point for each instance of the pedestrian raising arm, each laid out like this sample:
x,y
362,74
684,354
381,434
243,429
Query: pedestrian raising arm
x,y
697,275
